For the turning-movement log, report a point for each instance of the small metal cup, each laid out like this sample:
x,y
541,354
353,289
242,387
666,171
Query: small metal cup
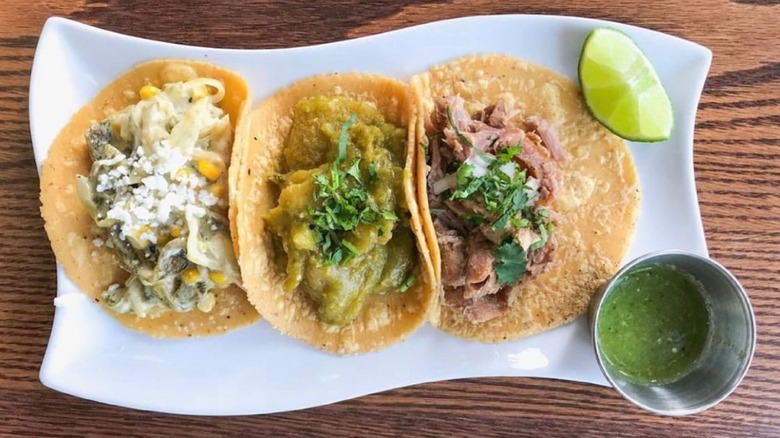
x,y
726,356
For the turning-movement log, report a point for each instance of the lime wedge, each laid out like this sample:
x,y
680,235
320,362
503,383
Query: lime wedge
x,y
621,88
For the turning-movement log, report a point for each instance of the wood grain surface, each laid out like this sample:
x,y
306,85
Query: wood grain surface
x,y
737,159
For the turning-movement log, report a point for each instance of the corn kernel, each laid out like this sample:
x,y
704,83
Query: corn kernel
x,y
217,190
162,240
175,232
148,92
209,170
190,275
218,277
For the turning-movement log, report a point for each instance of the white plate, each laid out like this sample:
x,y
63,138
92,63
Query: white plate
x,y
255,369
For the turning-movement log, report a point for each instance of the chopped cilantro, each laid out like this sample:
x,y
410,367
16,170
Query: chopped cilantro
x,y
343,138
503,196
506,155
512,204
464,172
372,171
337,256
545,229
510,262
350,247
341,204
389,215
470,186
407,283
354,170
520,222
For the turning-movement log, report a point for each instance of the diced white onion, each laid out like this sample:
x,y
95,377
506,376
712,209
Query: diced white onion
x,y
509,169
532,190
446,183
479,165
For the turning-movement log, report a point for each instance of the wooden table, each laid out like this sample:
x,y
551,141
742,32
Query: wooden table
x,y
737,157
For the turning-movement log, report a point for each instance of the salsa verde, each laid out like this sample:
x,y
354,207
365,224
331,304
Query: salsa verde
x,y
654,325
341,216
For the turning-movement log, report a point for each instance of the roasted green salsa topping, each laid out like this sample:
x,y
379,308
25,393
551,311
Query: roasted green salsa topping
x,y
654,325
341,218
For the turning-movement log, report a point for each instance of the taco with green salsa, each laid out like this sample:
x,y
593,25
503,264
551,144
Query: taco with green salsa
x,y
135,199
330,238
528,204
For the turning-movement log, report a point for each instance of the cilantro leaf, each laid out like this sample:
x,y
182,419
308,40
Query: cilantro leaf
x,y
372,171
520,222
470,188
513,204
545,229
464,173
510,262
407,283
506,155
389,215
354,170
343,137
337,256
349,246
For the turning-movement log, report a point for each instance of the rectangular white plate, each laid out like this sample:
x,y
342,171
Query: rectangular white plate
x,y
257,370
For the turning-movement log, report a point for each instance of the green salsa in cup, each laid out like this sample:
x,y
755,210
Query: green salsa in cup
x,y
654,325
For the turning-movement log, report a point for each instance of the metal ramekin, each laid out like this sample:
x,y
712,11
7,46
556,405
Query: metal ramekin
x,y
726,356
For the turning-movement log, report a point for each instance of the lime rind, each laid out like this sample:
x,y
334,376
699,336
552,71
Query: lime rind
x,y
627,97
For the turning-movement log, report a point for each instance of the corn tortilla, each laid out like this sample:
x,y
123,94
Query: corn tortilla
x,y
385,319
71,230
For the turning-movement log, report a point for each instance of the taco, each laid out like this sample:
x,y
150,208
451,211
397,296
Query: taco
x,y
134,195
330,238
528,203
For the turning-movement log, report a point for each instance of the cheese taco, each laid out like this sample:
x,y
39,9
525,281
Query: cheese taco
x,y
330,238
528,203
134,195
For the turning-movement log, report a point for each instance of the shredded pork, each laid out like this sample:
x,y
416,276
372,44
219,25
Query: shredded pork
x,y
469,277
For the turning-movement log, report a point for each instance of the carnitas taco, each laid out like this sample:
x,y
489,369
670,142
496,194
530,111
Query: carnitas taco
x,y
330,238
134,195
527,202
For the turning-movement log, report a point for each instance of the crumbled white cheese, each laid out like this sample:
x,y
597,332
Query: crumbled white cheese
x,y
207,198
161,189
148,236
